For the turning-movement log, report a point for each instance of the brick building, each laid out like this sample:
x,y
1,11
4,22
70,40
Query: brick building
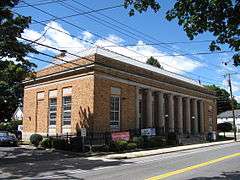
x,y
110,92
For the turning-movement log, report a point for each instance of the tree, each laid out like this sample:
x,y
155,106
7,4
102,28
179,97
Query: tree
x,y
218,17
224,127
14,67
223,99
154,62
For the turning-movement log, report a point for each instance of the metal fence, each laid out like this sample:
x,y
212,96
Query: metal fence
x,y
93,138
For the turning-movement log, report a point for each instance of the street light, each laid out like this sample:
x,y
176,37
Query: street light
x,y
164,128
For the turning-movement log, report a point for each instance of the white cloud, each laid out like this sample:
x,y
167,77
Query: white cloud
x,y
87,35
34,35
235,86
177,64
237,98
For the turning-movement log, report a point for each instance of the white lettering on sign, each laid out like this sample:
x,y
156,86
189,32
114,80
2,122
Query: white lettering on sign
x,y
148,132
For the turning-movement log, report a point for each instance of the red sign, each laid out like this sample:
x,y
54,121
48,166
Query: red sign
x,y
116,136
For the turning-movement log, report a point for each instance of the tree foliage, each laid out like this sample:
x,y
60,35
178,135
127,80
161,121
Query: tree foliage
x,y
10,126
14,67
154,62
141,5
223,99
219,17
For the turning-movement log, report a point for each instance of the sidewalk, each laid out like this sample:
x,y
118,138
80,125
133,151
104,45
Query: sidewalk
x,y
164,150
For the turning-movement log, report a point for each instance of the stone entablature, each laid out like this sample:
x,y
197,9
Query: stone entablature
x,y
97,61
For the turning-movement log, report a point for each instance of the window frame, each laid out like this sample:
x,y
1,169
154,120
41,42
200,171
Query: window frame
x,y
52,111
114,111
64,120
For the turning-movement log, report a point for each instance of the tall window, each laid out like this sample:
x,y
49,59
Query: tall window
x,y
52,111
66,115
115,113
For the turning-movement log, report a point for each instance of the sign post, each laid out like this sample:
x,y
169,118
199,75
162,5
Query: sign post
x,y
83,135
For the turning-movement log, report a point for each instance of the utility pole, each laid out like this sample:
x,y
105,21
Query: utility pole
x,y
233,112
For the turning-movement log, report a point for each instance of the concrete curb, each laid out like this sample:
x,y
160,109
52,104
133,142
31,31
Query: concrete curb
x,y
164,150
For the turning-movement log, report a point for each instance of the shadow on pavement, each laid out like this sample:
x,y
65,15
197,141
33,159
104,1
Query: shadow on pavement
x,y
25,163
235,175
17,155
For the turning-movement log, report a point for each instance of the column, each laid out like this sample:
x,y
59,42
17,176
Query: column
x,y
149,109
161,116
201,117
188,116
195,117
171,112
137,108
180,115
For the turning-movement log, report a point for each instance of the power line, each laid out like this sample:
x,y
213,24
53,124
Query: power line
x,y
100,21
96,19
198,53
41,3
84,13
78,14
142,34
54,48
98,11
157,44
45,61
80,28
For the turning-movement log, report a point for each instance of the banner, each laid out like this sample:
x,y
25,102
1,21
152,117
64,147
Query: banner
x,y
148,132
116,136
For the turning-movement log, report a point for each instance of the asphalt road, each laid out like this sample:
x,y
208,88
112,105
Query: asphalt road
x,y
218,162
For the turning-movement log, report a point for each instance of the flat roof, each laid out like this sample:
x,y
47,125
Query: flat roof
x,y
135,62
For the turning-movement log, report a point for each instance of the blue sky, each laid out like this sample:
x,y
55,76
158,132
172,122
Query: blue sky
x,y
143,28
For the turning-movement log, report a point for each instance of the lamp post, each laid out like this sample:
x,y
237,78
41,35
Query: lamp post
x,y
166,122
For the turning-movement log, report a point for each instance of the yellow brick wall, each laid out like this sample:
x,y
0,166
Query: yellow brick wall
x,y
82,105
102,104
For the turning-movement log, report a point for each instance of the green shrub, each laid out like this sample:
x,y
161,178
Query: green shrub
x,y
60,144
156,141
118,146
131,146
35,139
122,145
138,140
46,143
172,138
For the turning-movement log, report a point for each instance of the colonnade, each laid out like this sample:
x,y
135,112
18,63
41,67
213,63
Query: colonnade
x,y
171,112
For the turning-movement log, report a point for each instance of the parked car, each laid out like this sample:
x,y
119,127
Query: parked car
x,y
7,138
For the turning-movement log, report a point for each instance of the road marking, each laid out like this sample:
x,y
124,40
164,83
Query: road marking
x,y
179,171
